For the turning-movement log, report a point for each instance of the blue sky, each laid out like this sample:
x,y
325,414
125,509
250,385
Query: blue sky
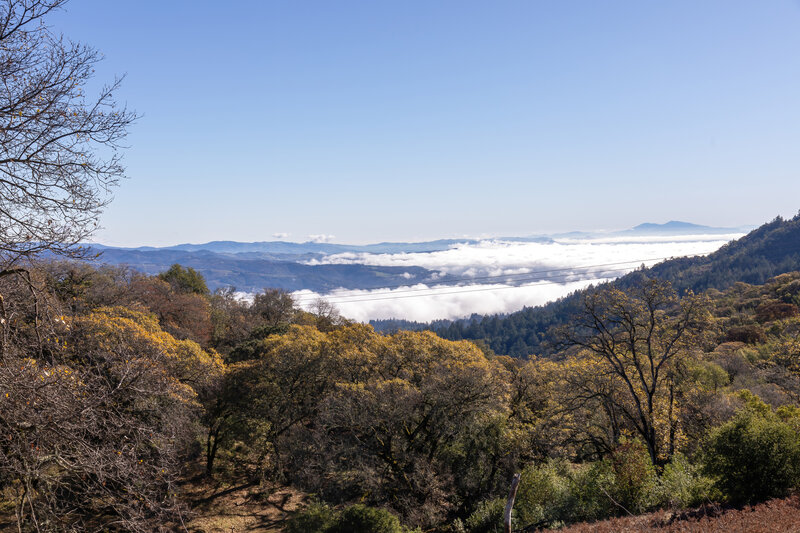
x,y
414,120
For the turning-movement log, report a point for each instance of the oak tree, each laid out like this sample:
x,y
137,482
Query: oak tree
x,y
637,339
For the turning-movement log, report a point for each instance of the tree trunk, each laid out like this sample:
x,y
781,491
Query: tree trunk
x,y
512,494
211,450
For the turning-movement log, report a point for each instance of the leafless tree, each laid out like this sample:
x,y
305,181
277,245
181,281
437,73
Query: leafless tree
x,y
274,307
91,433
59,147
328,316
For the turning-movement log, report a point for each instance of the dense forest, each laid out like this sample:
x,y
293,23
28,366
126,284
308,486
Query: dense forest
x,y
767,251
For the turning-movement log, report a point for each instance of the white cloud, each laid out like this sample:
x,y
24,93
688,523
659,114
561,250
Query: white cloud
x,y
321,238
280,235
423,303
244,296
570,264
498,257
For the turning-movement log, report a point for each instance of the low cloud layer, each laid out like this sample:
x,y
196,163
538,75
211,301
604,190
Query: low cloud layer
x,y
570,264
422,303
498,257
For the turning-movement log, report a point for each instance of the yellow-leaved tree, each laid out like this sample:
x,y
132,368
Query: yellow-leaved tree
x,y
96,429
632,344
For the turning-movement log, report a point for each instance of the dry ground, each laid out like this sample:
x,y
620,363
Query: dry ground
x,y
774,516
237,508
217,507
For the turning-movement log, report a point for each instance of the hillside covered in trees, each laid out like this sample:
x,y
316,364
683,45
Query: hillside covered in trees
x,y
653,401
767,251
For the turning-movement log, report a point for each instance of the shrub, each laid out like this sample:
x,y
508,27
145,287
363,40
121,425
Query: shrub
x,y
590,491
316,518
487,517
557,493
544,494
624,481
634,477
747,334
775,311
753,457
319,518
683,485
709,375
363,519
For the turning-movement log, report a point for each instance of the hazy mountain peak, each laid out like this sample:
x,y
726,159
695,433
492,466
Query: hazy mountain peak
x,y
671,225
676,227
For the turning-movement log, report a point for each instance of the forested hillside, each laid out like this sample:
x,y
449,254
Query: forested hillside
x,y
158,377
767,251
252,272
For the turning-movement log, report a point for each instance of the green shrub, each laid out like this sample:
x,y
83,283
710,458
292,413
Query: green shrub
x,y
456,526
487,517
316,518
363,519
754,456
544,494
319,518
556,493
683,485
635,478
709,375
262,332
590,492
625,481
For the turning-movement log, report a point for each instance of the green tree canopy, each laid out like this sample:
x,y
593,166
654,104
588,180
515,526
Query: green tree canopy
x,y
186,280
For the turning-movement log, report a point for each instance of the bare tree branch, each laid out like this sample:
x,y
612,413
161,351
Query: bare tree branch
x,y
60,149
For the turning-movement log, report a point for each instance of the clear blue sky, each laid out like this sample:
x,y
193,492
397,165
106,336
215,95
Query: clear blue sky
x,y
410,120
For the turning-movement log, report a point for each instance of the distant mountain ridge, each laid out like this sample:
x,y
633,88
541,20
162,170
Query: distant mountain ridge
x,y
254,274
302,248
252,266
676,227
289,248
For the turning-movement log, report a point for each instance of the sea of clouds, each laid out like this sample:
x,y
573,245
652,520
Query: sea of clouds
x,y
502,276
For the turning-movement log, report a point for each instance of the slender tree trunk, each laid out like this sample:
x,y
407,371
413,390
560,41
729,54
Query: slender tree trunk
x,y
673,423
512,494
651,445
212,442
